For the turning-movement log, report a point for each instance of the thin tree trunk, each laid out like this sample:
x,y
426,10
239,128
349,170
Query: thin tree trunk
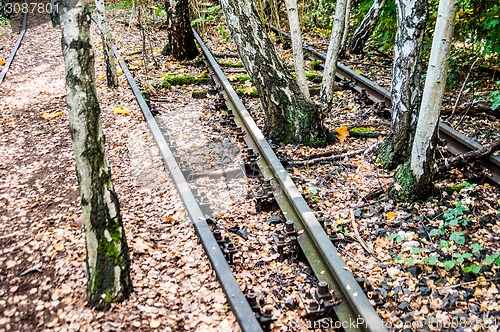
x,y
406,82
290,117
108,262
109,56
366,27
180,43
328,83
424,144
298,54
55,9
346,26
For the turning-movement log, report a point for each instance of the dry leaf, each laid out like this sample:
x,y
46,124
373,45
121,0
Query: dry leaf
x,y
232,77
391,215
58,247
121,111
140,246
2,62
342,132
154,324
50,115
248,90
101,76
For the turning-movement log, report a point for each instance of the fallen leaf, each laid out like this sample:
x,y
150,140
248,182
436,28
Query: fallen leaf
x,y
140,246
248,90
154,324
50,115
58,247
391,215
101,76
342,132
11,264
121,111
2,62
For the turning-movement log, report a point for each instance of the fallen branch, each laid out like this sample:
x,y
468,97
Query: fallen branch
x,y
337,156
462,159
357,236
462,89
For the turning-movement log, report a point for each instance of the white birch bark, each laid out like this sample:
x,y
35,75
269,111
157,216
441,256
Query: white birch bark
x,y
424,143
346,25
108,262
298,54
109,56
328,83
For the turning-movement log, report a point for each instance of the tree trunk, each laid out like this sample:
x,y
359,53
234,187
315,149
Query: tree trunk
x,y
328,83
424,144
180,43
55,9
298,54
406,82
366,27
346,26
290,117
108,262
109,56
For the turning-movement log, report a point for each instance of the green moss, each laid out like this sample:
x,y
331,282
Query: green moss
x,y
385,154
241,78
361,130
230,64
173,79
405,183
242,92
316,64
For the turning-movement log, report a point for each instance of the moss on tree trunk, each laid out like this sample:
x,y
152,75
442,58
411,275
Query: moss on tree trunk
x,y
108,262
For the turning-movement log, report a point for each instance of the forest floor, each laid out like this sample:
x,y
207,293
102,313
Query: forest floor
x,y
42,244
42,269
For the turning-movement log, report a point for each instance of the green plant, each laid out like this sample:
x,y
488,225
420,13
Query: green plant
x,y
453,217
495,97
454,251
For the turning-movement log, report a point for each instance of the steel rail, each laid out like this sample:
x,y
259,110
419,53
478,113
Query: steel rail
x,y
457,143
7,64
355,312
239,304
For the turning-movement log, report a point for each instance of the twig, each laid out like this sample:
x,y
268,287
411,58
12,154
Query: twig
x,y
468,283
462,89
338,156
356,232
466,157
33,269
9,235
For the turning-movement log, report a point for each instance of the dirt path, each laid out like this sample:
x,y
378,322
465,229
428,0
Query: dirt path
x,y
42,248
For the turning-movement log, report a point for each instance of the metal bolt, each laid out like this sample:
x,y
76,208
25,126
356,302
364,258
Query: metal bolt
x,y
268,311
323,288
231,250
289,226
313,305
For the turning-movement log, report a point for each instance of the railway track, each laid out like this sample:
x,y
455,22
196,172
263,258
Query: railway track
x,y
355,312
6,67
456,142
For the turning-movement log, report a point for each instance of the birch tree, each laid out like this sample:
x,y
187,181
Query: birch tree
x,y
406,91
107,259
109,56
328,82
366,27
289,116
180,38
346,26
415,178
298,54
